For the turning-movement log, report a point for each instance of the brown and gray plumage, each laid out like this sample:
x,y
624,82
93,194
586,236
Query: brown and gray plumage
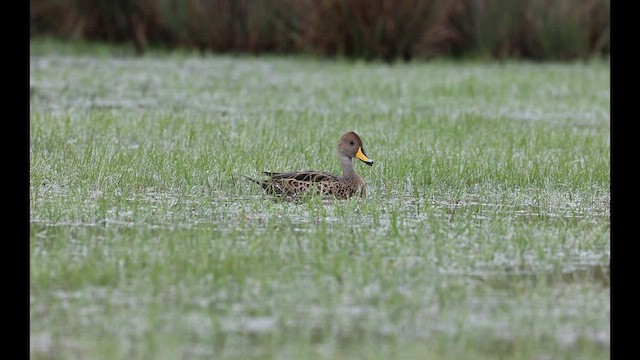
x,y
292,185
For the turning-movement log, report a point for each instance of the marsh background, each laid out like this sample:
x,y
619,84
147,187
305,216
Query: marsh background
x,y
485,233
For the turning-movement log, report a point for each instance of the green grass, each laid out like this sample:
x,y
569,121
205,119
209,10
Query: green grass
x,y
485,233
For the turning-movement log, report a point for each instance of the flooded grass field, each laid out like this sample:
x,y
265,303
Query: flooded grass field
x,y
485,233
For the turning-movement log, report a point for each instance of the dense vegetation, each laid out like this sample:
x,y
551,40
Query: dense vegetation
x,y
369,29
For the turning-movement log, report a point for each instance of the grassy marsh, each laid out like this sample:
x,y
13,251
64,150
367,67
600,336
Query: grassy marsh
x,y
485,233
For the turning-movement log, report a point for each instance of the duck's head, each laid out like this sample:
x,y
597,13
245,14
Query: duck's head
x,y
351,146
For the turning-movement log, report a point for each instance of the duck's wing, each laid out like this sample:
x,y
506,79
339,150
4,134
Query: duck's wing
x,y
304,176
293,184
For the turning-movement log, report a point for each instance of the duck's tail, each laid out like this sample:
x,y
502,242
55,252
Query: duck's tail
x,y
254,180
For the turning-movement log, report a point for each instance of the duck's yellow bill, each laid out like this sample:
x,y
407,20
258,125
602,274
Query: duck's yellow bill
x,y
360,155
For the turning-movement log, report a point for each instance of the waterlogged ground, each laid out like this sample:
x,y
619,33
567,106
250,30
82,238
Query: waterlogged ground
x,y
485,233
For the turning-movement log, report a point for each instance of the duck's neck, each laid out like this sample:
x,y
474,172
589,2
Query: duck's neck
x,y
347,167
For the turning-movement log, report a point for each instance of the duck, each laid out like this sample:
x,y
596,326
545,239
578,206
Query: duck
x,y
294,185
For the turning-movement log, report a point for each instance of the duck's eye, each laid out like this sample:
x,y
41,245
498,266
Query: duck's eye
x,y
351,142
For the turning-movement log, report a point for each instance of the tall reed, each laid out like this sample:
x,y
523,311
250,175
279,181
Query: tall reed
x,y
367,29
